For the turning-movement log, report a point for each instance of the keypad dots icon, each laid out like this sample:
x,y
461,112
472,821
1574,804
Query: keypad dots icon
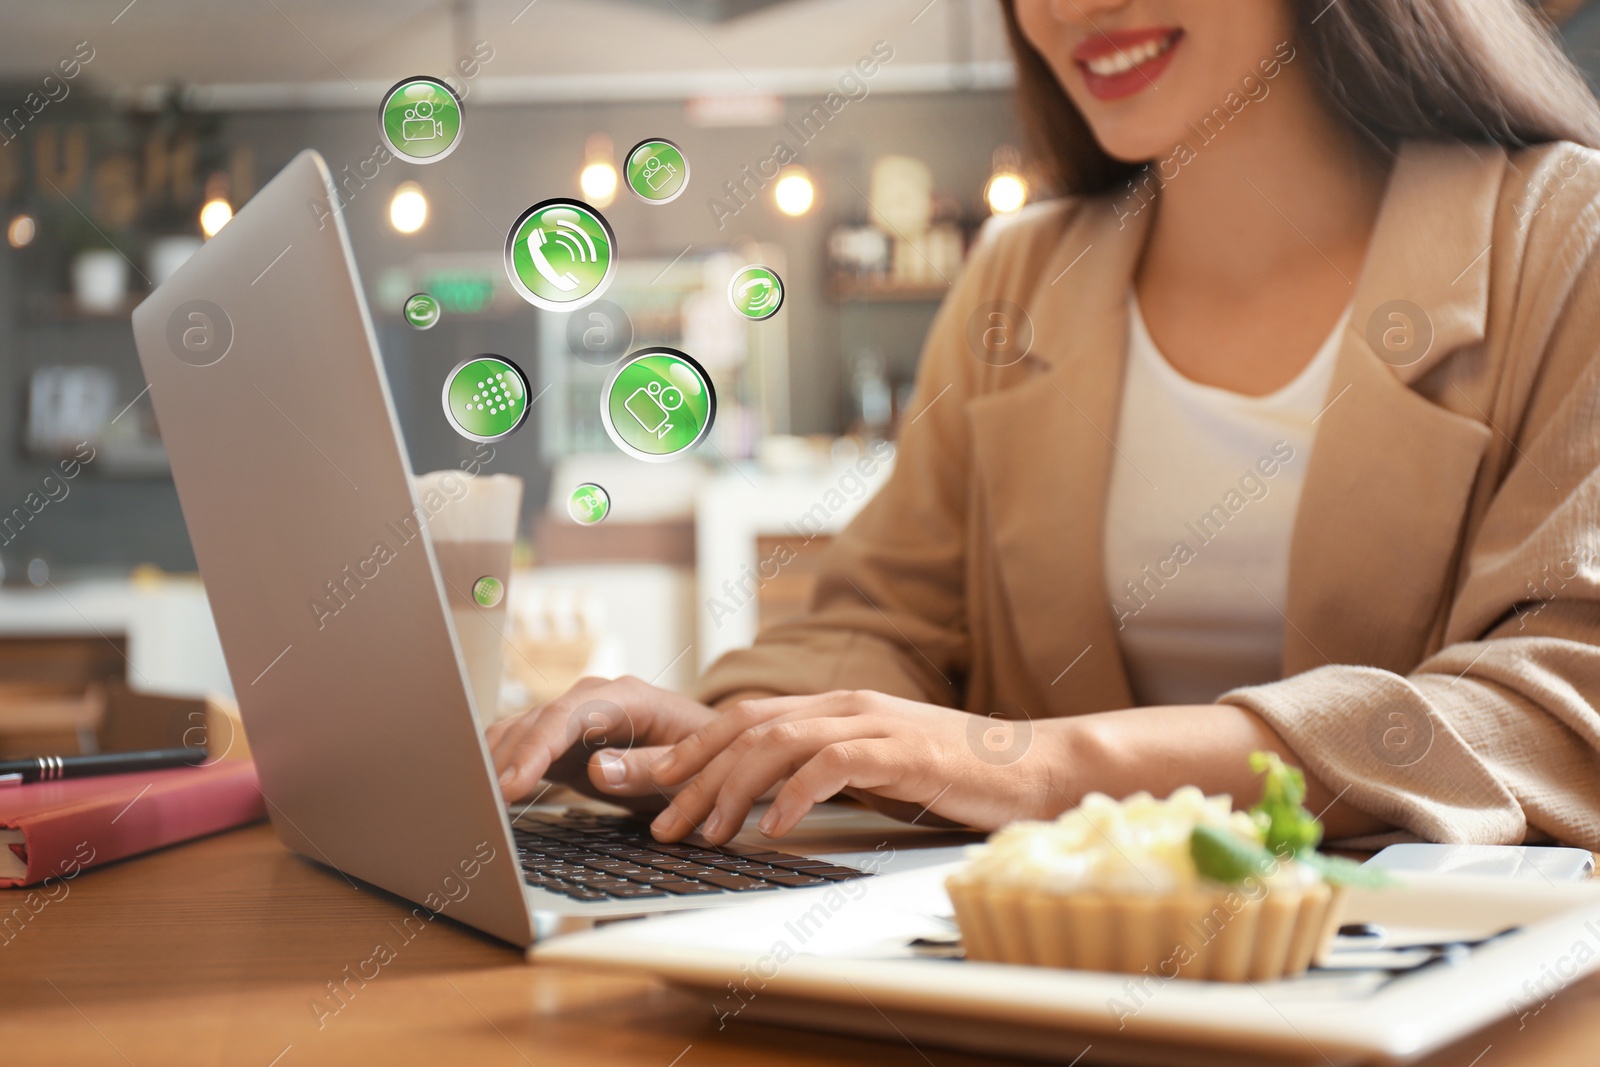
x,y
494,394
486,398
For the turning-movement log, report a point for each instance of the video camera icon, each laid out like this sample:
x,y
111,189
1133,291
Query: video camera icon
x,y
421,119
658,405
656,173
651,404
657,170
419,123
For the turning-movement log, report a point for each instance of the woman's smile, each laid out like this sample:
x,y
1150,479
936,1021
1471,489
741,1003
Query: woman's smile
x,y
1119,63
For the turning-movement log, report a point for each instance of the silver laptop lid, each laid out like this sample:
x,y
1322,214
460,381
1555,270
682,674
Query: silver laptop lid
x,y
266,383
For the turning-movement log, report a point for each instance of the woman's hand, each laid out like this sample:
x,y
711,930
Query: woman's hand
x,y
599,737
974,771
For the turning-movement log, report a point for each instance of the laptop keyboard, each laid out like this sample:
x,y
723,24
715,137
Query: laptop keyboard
x,y
588,856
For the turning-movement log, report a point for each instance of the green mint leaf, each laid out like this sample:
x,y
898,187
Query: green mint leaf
x,y
1287,826
1223,856
1336,870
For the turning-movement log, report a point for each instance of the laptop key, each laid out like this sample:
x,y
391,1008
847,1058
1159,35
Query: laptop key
x,y
629,892
833,872
795,881
689,888
799,863
736,882
581,894
594,878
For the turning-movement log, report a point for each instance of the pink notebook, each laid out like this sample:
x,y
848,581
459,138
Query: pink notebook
x,y
56,829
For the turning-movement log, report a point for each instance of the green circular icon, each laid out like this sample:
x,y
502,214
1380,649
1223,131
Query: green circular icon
x,y
658,404
421,119
421,311
486,398
588,504
561,254
756,292
657,171
488,591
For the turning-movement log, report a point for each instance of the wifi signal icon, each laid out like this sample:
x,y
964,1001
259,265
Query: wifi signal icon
x,y
560,254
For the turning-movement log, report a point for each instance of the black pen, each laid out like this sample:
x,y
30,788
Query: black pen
x,y
52,768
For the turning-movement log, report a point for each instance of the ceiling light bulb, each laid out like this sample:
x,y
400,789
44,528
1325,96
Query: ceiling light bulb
x,y
599,183
408,209
21,232
1006,192
214,216
794,194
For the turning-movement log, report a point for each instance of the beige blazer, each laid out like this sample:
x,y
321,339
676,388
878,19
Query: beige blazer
x,y
1440,663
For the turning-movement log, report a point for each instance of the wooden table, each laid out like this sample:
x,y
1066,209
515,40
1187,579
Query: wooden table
x,y
214,953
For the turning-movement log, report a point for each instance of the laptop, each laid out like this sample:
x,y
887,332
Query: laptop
x,y
289,464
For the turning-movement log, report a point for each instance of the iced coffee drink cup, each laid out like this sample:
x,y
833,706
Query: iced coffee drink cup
x,y
473,525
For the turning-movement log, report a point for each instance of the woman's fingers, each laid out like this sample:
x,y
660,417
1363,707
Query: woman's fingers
x,y
529,742
873,763
497,732
594,713
625,772
691,755
720,796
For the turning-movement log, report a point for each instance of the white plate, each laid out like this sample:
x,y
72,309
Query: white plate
x,y
839,958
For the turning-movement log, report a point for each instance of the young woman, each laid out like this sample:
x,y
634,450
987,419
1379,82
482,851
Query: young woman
x,y
1300,455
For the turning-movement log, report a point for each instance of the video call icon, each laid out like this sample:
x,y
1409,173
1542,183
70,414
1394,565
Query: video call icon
x,y
657,171
421,120
658,405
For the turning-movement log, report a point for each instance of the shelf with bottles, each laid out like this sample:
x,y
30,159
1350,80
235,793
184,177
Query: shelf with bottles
x,y
869,263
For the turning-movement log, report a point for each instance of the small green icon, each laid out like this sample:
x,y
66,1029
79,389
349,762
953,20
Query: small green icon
x,y
421,119
421,310
488,591
658,405
486,398
657,171
588,504
756,292
560,254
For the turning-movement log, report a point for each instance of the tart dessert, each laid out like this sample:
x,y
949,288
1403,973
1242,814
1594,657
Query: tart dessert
x,y
1181,887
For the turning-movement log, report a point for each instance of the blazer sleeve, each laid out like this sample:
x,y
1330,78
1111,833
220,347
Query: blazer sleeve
x,y
889,609
1495,738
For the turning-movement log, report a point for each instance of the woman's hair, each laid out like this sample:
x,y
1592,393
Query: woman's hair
x,y
1440,70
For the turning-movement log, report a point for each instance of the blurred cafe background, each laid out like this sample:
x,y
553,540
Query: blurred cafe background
x,y
854,146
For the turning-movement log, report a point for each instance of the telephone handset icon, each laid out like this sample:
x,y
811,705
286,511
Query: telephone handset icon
x,y
765,299
579,248
536,242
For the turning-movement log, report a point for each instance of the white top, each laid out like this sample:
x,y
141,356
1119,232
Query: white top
x,y
1204,489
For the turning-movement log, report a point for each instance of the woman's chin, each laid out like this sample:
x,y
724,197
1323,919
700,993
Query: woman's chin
x,y
1138,146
